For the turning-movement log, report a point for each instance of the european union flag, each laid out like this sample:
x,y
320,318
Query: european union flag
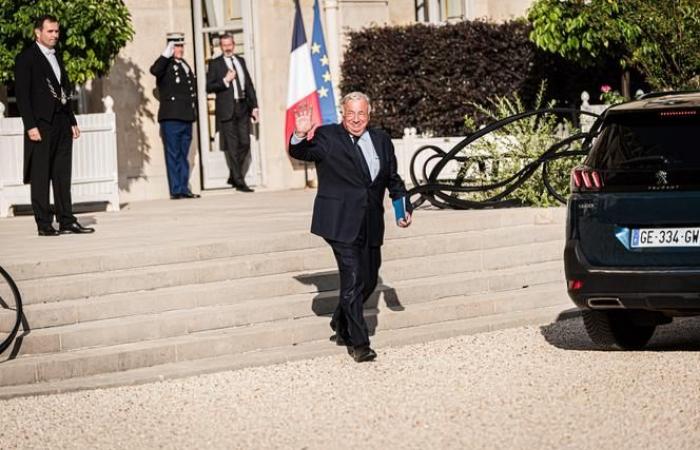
x,y
322,72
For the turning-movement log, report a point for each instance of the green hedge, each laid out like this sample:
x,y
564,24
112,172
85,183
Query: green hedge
x,y
424,76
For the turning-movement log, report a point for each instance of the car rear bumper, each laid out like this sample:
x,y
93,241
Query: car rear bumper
x,y
669,289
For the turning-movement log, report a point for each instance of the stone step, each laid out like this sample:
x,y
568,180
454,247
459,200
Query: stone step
x,y
257,289
69,287
194,319
66,312
109,258
213,343
276,355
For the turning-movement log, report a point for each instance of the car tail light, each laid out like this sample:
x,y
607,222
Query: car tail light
x,y
575,285
586,179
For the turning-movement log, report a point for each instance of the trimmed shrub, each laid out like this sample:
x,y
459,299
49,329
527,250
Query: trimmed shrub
x,y
429,77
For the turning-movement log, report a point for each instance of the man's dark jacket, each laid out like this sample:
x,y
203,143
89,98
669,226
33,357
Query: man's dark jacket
x,y
225,95
35,100
177,90
346,195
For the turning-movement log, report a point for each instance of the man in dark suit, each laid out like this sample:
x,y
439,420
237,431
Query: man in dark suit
x,y
236,106
176,91
355,167
43,98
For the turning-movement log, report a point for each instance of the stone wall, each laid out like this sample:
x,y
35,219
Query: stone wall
x,y
142,172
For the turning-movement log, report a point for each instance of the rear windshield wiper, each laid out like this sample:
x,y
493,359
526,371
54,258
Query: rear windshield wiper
x,y
655,160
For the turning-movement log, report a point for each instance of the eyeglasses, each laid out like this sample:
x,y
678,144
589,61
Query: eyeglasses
x,y
353,115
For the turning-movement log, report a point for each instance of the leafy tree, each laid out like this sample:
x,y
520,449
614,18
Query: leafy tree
x,y
659,38
92,33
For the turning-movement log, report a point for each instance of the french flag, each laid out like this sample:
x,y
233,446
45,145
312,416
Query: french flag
x,y
302,85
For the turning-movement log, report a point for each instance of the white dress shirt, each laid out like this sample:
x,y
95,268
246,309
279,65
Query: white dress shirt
x,y
50,55
233,64
369,153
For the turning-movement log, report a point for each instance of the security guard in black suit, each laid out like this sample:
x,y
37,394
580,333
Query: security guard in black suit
x,y
236,107
176,84
43,98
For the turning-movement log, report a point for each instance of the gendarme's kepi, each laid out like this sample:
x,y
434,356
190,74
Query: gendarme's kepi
x,y
176,38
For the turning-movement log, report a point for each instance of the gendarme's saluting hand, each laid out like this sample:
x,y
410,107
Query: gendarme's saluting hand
x,y
304,127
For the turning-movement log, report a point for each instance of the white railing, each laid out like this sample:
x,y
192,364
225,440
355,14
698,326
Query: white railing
x,y
95,177
588,121
407,146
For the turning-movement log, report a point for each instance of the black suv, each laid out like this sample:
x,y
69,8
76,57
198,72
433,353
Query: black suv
x,y
632,257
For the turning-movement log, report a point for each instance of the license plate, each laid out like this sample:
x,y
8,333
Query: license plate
x,y
665,237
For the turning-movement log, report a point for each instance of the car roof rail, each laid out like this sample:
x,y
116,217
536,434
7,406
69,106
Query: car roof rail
x,y
662,94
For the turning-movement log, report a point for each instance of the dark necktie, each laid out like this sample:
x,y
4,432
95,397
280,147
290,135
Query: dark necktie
x,y
236,80
363,161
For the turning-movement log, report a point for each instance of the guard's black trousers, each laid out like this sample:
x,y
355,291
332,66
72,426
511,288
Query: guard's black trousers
x,y
358,265
51,164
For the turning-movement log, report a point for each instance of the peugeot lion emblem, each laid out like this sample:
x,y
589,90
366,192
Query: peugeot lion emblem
x,y
661,177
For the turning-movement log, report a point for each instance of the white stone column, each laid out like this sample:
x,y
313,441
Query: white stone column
x,y
332,42
470,9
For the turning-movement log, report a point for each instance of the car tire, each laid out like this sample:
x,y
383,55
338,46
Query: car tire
x,y
616,329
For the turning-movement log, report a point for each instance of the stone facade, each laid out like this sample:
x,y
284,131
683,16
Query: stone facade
x,y
141,159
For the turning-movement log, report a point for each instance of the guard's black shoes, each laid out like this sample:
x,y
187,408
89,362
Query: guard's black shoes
x,y
244,188
176,196
49,231
363,354
75,228
190,195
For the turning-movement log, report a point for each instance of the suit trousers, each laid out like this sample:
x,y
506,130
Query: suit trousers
x,y
177,137
358,265
235,142
51,164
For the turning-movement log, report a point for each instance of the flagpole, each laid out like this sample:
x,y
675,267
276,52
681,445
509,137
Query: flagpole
x,y
331,11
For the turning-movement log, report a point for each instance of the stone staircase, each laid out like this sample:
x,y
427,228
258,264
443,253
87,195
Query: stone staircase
x,y
113,317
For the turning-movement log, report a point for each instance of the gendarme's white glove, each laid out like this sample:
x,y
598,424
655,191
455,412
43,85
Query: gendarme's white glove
x,y
169,50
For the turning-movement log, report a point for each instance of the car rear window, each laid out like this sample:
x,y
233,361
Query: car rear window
x,y
650,140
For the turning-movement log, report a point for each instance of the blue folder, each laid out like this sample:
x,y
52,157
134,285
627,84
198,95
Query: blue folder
x,y
400,208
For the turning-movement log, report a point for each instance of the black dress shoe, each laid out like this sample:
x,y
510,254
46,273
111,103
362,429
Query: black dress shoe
x,y
75,228
190,195
50,231
363,354
176,197
341,340
244,188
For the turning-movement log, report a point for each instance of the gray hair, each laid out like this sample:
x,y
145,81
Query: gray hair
x,y
356,95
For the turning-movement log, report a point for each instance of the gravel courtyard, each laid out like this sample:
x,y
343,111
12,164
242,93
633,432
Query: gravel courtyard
x,y
534,387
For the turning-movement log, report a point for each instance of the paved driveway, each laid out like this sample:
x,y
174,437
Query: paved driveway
x,y
535,387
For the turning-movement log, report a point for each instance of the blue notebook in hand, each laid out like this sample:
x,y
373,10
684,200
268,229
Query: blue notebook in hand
x,y
400,208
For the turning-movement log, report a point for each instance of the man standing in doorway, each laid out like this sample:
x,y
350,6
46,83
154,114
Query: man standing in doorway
x,y
43,100
236,106
355,166
176,91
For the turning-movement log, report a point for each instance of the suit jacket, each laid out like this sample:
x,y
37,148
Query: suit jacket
x,y
177,90
346,195
225,95
33,75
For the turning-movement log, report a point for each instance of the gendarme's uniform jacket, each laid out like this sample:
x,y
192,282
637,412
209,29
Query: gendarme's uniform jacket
x,y
177,90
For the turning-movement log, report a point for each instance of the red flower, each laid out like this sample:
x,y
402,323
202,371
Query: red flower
x,y
605,88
